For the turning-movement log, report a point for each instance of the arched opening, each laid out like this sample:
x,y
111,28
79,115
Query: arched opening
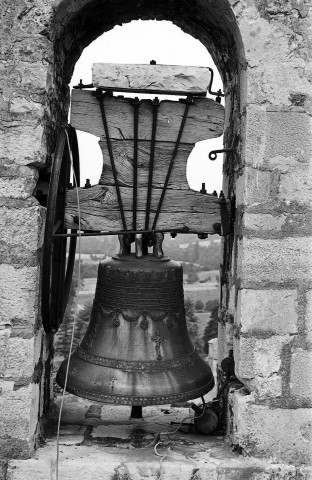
x,y
214,27
200,258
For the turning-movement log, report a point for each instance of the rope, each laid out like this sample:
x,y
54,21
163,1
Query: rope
x,y
74,320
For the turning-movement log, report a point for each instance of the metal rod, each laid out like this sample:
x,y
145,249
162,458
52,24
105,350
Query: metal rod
x,y
218,93
111,156
151,164
189,101
136,103
213,154
81,86
122,232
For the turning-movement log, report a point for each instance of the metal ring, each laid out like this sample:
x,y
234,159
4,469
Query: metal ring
x,y
56,275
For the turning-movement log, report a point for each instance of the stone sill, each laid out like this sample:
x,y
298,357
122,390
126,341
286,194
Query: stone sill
x,y
100,442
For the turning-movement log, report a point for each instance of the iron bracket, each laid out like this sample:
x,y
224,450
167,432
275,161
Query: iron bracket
x,y
219,92
213,154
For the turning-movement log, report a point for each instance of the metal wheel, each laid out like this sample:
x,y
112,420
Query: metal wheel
x,y
56,274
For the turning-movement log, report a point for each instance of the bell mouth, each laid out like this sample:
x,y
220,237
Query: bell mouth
x,y
137,350
136,383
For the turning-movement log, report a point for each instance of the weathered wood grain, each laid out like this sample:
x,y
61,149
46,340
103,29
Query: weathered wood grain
x,y
99,209
123,158
151,78
205,118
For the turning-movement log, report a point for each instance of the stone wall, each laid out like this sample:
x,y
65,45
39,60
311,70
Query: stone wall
x,y
263,51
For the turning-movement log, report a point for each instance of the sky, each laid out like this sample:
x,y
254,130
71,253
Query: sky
x,y
139,42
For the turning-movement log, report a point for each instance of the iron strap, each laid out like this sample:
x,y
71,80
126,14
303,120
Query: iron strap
x,y
136,103
100,96
189,101
151,163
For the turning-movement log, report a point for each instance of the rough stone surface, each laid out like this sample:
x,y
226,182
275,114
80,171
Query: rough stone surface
x,y
151,77
258,364
272,260
22,284
300,382
16,356
283,435
267,311
110,448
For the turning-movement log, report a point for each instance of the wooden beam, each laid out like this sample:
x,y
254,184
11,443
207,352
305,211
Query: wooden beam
x,y
123,157
178,79
205,118
99,209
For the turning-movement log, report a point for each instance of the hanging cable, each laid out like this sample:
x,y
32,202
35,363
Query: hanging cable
x,y
75,314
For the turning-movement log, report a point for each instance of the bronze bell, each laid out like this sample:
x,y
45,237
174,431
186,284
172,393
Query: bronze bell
x,y
137,350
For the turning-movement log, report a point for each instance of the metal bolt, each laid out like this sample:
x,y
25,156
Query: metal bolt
x,y
203,189
217,227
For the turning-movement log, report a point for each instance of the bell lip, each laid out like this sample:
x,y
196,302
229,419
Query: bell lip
x,y
139,400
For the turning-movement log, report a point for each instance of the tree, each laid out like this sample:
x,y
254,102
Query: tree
x,y
210,305
199,305
192,323
211,330
192,277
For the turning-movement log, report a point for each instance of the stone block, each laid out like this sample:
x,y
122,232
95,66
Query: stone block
x,y
258,362
20,284
277,139
16,357
20,105
280,435
22,144
263,222
17,187
255,187
296,185
274,260
308,316
267,311
15,411
300,373
288,140
274,66
255,135
22,227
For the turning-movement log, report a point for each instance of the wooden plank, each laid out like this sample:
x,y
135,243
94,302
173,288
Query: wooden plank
x,y
151,78
205,119
99,209
123,158
183,221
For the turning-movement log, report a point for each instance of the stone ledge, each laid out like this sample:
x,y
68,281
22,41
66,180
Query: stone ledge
x,y
102,463
101,442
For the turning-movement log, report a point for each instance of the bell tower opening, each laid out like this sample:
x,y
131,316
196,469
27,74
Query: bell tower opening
x,y
200,256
